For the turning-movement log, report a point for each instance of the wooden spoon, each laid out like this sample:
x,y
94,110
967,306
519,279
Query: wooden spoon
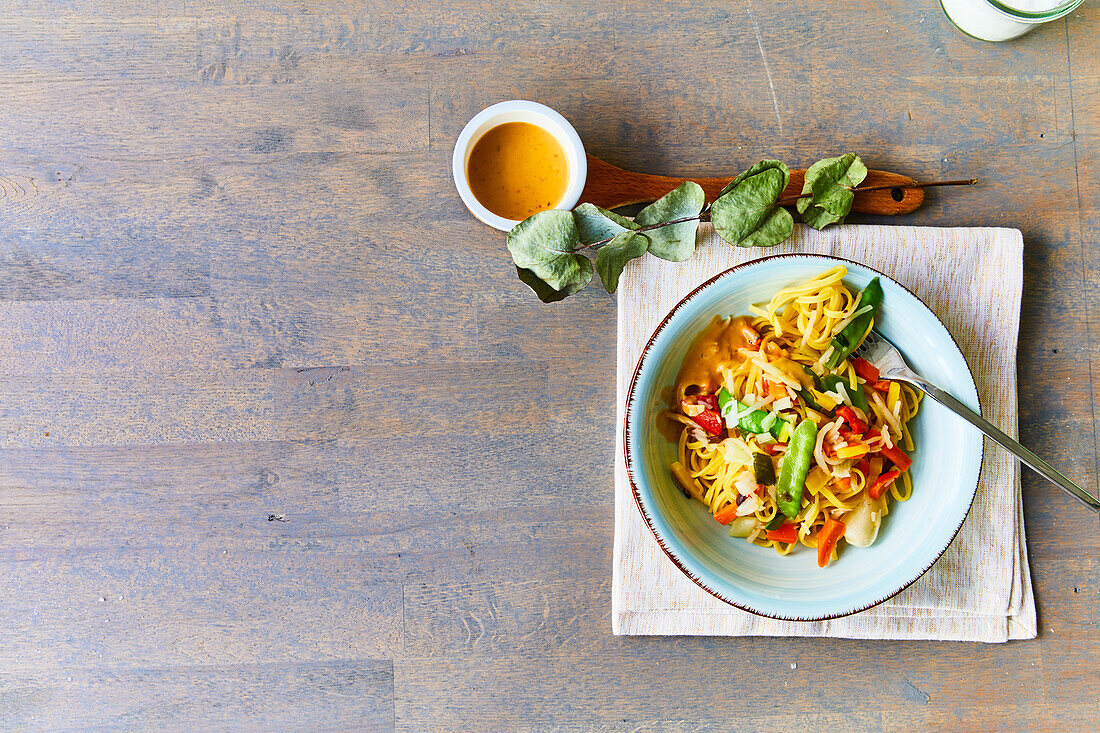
x,y
610,186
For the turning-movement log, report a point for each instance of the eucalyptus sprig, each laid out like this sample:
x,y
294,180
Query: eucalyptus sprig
x,y
547,247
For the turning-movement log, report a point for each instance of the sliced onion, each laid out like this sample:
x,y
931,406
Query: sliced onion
x,y
856,314
745,484
750,505
693,410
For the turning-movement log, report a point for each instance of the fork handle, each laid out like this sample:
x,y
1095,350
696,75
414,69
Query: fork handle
x,y
1032,461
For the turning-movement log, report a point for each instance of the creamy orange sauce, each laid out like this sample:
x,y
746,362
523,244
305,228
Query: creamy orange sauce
x,y
713,349
517,169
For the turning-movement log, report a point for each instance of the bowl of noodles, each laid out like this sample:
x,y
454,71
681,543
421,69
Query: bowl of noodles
x,y
776,468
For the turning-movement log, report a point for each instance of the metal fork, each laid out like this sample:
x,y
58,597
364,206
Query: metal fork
x,y
891,365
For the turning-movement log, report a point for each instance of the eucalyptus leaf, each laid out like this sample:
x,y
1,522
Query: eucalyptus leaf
x,y
829,182
595,224
675,242
546,293
613,256
747,213
544,244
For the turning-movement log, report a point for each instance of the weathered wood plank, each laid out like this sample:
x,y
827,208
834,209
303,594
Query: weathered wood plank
x,y
113,256
287,327
1008,110
574,331
214,603
488,472
650,676
59,501
1054,342
82,237
283,105
1071,679
527,589
137,408
56,336
342,695
410,403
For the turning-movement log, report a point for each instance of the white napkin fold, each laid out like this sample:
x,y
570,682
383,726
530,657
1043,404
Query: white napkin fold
x,y
980,589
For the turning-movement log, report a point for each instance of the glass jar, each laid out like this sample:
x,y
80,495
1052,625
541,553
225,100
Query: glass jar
x,y
1001,20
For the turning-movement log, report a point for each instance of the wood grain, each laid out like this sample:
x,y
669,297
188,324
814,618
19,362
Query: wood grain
x,y
236,283
348,694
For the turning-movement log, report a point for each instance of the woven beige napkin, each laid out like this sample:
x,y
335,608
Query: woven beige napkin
x,y
980,589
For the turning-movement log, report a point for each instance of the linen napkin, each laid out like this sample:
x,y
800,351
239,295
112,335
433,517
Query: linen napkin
x,y
980,589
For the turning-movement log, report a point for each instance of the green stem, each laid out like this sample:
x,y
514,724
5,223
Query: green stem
x,y
885,187
701,216
704,215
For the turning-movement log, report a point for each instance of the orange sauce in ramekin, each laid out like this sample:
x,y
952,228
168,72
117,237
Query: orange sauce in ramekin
x,y
517,169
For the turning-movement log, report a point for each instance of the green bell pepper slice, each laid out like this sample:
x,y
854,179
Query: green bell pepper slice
x,y
763,470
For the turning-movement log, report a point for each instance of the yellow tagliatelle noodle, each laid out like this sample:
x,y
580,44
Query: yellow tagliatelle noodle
x,y
772,364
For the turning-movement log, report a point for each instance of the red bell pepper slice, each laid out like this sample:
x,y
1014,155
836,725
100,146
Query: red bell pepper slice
x,y
710,421
866,369
827,538
849,416
898,457
848,435
788,533
726,515
882,385
864,466
882,483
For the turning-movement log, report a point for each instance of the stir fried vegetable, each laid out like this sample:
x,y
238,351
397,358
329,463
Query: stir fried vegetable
x,y
786,533
787,437
763,469
845,342
795,466
757,422
827,539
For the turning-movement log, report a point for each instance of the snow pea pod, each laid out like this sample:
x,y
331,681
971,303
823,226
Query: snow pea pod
x,y
754,421
830,382
845,342
796,464
805,395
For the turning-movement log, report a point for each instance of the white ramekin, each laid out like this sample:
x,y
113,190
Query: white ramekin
x,y
518,110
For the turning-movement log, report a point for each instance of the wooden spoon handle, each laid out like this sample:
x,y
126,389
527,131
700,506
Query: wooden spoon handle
x,y
610,186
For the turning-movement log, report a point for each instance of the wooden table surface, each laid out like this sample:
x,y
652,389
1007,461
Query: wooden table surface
x,y
284,443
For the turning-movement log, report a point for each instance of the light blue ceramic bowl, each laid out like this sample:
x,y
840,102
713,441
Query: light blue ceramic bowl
x,y
948,459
